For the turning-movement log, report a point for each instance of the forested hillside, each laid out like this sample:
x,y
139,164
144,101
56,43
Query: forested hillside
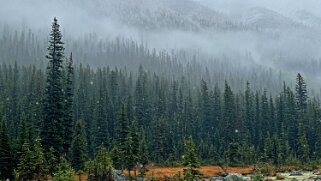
x,y
59,116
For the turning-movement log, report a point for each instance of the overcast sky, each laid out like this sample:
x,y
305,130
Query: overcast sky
x,y
284,6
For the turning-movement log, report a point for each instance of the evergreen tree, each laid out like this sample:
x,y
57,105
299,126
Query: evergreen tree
x,y
79,147
64,171
53,127
24,169
132,147
190,160
116,157
205,110
122,131
142,149
301,94
101,126
31,163
100,169
6,157
129,156
52,161
68,105
38,159
160,140
303,146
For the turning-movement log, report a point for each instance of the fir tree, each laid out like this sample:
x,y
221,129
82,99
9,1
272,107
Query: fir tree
x,y
52,161
38,159
301,94
101,127
64,171
122,131
303,146
6,157
190,160
53,127
31,163
142,153
68,105
79,147
100,168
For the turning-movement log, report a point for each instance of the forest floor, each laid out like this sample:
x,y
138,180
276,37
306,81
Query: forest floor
x,y
207,171
161,173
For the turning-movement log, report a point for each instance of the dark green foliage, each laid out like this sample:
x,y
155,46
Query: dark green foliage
x,y
303,146
121,137
142,152
53,127
132,147
6,156
52,161
100,169
116,157
78,150
190,160
101,135
161,145
301,94
31,164
68,122
64,171
144,115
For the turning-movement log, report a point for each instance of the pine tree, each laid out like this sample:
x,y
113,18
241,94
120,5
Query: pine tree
x,y
116,157
101,135
190,160
249,112
38,159
129,156
122,131
160,140
68,105
205,110
229,114
52,161
6,157
53,130
64,171
303,146
24,168
142,152
31,163
132,146
301,94
100,168
79,147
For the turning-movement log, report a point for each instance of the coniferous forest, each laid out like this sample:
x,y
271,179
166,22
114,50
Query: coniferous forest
x,y
64,118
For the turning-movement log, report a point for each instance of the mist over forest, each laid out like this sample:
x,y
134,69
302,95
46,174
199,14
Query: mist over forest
x,y
280,37
116,89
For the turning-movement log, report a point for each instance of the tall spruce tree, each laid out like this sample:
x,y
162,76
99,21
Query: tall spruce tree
x,y
122,131
53,127
68,105
142,152
101,135
301,94
79,147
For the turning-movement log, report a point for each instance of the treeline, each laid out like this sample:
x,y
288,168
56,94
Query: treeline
x,y
28,47
78,117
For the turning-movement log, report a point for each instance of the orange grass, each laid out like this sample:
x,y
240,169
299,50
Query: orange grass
x,y
160,173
